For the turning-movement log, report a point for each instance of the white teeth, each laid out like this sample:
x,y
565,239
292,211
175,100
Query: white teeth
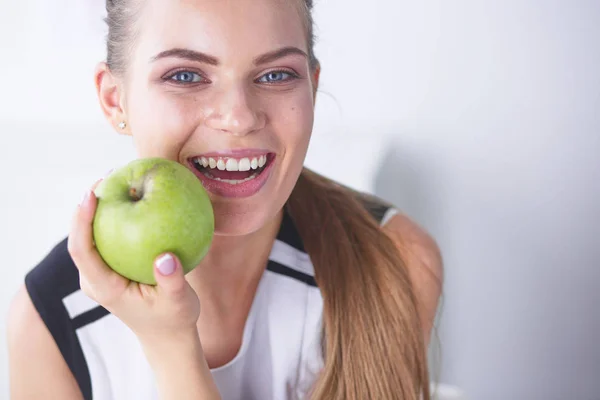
x,y
231,165
244,164
231,181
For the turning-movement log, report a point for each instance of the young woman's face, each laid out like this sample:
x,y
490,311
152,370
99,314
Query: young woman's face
x,y
224,87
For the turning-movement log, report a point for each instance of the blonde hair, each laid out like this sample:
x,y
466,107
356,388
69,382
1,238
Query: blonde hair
x,y
373,342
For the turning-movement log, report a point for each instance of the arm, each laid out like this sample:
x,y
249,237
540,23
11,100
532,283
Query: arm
x,y
37,368
424,263
180,368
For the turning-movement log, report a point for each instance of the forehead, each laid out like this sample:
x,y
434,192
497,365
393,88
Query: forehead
x,y
222,28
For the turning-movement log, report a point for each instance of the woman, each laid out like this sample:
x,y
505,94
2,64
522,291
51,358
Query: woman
x,y
309,290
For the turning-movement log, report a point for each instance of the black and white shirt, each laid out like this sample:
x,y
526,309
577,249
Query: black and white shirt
x,y
280,354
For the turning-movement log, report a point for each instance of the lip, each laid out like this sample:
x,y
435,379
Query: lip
x,y
241,190
235,153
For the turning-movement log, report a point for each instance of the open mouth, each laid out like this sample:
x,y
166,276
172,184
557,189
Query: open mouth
x,y
233,170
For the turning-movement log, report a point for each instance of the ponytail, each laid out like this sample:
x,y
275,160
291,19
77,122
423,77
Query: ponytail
x,y
373,343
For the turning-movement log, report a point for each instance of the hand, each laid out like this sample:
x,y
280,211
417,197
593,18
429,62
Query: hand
x,y
153,313
163,317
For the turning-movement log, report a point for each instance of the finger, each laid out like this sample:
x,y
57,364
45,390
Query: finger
x,y
169,274
95,185
81,246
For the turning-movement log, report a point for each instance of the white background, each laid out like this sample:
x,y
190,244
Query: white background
x,y
480,119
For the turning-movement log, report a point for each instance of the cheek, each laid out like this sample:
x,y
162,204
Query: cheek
x,y
292,123
161,123
292,120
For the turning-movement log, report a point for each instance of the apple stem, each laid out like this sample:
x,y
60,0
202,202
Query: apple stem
x,y
134,194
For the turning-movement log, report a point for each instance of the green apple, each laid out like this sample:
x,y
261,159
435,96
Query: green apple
x,y
149,207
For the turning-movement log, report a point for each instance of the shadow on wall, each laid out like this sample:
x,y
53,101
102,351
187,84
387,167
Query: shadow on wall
x,y
408,179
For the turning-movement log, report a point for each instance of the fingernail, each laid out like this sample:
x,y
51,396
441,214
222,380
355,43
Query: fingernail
x,y
166,264
85,197
108,173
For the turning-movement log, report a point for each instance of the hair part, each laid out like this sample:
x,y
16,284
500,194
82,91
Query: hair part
x,y
122,18
373,344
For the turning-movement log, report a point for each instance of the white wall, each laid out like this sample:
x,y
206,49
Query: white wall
x,y
479,118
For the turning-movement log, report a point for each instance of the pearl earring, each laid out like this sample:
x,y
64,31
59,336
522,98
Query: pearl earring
x,y
122,125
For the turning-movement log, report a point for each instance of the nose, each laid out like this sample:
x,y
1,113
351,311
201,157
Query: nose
x,y
236,112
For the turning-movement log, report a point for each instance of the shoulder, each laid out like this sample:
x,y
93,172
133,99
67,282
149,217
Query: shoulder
x,y
416,244
424,262
419,251
49,285
45,312
35,361
418,247
24,323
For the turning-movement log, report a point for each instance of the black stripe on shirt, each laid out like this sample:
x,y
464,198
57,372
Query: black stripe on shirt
x,y
281,269
288,233
90,316
53,279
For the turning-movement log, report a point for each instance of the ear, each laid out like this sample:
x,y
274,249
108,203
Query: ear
x,y
110,95
315,80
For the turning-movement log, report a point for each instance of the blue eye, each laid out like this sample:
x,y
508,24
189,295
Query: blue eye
x,y
276,76
186,77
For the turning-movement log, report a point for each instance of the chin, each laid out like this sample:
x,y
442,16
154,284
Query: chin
x,y
242,219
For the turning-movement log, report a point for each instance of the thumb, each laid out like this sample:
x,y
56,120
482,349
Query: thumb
x,y
169,274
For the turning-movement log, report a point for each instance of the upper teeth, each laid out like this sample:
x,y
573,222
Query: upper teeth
x,y
232,164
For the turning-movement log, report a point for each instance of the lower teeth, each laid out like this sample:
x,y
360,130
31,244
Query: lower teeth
x,y
230,181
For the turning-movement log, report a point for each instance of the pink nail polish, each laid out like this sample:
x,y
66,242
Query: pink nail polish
x,y
166,264
86,196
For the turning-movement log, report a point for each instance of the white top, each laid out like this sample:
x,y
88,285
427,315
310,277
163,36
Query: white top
x,y
280,354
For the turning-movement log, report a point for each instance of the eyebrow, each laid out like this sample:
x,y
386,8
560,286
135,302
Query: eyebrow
x,y
197,56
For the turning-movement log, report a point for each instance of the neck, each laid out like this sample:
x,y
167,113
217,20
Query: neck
x,y
232,268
